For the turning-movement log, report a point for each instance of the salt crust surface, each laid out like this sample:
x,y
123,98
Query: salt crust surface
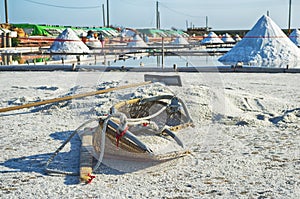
x,y
245,143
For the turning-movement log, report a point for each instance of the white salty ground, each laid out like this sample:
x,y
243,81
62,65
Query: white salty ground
x,y
245,143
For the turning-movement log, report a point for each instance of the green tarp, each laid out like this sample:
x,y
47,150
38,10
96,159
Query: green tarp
x,y
162,33
49,30
40,30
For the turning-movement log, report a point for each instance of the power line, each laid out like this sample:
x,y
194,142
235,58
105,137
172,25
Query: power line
x,y
65,7
137,4
178,12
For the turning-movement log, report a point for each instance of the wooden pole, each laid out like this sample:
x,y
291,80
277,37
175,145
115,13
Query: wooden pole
x,y
107,12
71,97
3,38
103,15
157,16
86,158
162,52
6,11
206,23
290,15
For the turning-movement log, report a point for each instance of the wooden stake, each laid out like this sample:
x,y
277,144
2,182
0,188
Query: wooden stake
x,y
86,158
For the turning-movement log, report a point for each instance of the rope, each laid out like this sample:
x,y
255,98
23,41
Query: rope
x,y
100,158
118,136
148,117
48,170
122,128
185,110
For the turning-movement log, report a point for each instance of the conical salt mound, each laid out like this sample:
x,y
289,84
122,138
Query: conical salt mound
x,y
264,45
68,42
227,39
212,38
180,41
237,38
137,42
295,37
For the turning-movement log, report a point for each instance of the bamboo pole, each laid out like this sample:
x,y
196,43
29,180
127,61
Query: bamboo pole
x,y
60,99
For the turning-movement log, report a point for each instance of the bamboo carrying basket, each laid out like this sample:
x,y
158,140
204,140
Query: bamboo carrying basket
x,y
129,152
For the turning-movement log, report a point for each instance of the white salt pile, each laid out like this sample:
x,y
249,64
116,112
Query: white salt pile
x,y
137,42
295,37
180,41
212,38
237,38
68,42
264,45
128,33
227,39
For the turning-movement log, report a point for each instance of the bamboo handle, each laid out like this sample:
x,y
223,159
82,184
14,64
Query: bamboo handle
x,y
60,99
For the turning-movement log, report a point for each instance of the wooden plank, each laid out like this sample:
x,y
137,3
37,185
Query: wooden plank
x,y
86,158
76,96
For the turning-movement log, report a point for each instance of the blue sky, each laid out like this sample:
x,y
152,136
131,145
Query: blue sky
x,y
222,14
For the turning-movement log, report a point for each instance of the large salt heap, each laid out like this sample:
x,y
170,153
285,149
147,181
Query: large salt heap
x,y
264,45
68,42
295,37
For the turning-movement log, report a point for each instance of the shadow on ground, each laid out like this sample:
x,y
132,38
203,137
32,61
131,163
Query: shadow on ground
x,y
65,161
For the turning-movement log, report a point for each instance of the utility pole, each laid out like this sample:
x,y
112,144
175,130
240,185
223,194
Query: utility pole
x,y
206,23
157,16
107,12
162,52
103,15
186,24
6,11
290,14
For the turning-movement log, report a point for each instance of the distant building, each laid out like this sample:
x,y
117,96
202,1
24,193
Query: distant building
x,y
198,31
